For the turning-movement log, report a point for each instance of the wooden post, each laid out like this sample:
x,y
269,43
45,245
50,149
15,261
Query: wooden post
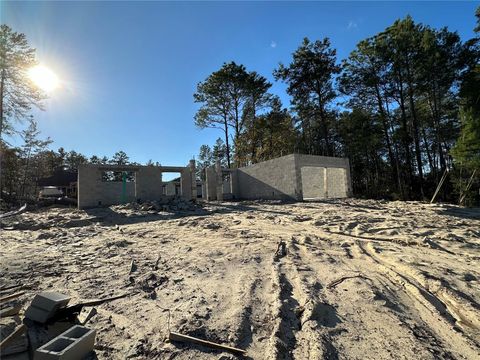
x,y
442,179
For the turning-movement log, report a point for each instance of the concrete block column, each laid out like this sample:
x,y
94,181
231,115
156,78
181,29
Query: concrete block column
x,y
193,175
234,184
211,183
218,171
186,183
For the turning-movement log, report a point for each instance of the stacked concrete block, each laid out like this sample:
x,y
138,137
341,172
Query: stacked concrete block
x,y
186,184
193,179
44,306
219,180
74,344
93,191
291,177
271,179
211,183
313,182
148,183
234,184
337,176
336,183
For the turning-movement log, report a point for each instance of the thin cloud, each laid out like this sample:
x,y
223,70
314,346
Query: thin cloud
x,y
273,44
352,25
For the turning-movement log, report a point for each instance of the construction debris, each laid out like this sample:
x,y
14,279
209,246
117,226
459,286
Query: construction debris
x,y
166,204
281,250
342,279
73,344
48,308
45,305
185,338
10,338
10,310
13,213
12,296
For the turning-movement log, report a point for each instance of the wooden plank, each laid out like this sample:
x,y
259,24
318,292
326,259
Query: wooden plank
x,y
440,183
10,311
5,288
16,333
11,296
185,338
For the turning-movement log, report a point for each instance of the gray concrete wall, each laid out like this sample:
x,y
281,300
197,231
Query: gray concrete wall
x,y
92,191
313,182
336,176
271,179
211,184
148,183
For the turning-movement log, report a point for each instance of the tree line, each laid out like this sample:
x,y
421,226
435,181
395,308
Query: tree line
x,y
25,165
403,107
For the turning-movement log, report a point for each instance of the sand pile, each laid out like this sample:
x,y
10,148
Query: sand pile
x,y
358,280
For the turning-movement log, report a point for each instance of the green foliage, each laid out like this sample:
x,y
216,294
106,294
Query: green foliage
x,y
310,84
119,158
17,93
231,99
466,151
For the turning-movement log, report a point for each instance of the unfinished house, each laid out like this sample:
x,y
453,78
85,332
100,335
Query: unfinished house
x,y
104,185
292,177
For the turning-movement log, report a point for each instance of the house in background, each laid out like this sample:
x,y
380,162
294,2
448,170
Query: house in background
x,y
64,180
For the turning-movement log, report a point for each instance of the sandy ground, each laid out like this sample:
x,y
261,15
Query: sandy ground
x,y
360,280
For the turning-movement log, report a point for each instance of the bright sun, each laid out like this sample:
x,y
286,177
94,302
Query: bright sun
x,y
44,78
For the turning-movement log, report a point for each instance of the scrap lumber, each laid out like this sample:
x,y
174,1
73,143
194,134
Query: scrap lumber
x,y
10,310
281,250
100,301
132,267
342,279
469,185
86,314
156,263
439,186
15,212
10,287
16,333
71,311
11,296
185,338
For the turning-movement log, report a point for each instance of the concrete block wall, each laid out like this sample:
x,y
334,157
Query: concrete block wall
x,y
92,191
313,182
211,184
271,179
292,177
148,183
186,183
336,178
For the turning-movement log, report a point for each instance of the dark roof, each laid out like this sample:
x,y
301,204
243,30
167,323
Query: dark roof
x,y
60,177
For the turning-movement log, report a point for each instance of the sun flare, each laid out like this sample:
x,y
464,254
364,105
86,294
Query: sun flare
x,y
44,78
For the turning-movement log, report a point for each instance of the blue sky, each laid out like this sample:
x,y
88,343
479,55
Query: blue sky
x,y
129,69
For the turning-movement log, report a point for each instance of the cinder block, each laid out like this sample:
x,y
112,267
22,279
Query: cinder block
x,y
44,305
37,314
50,300
73,344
